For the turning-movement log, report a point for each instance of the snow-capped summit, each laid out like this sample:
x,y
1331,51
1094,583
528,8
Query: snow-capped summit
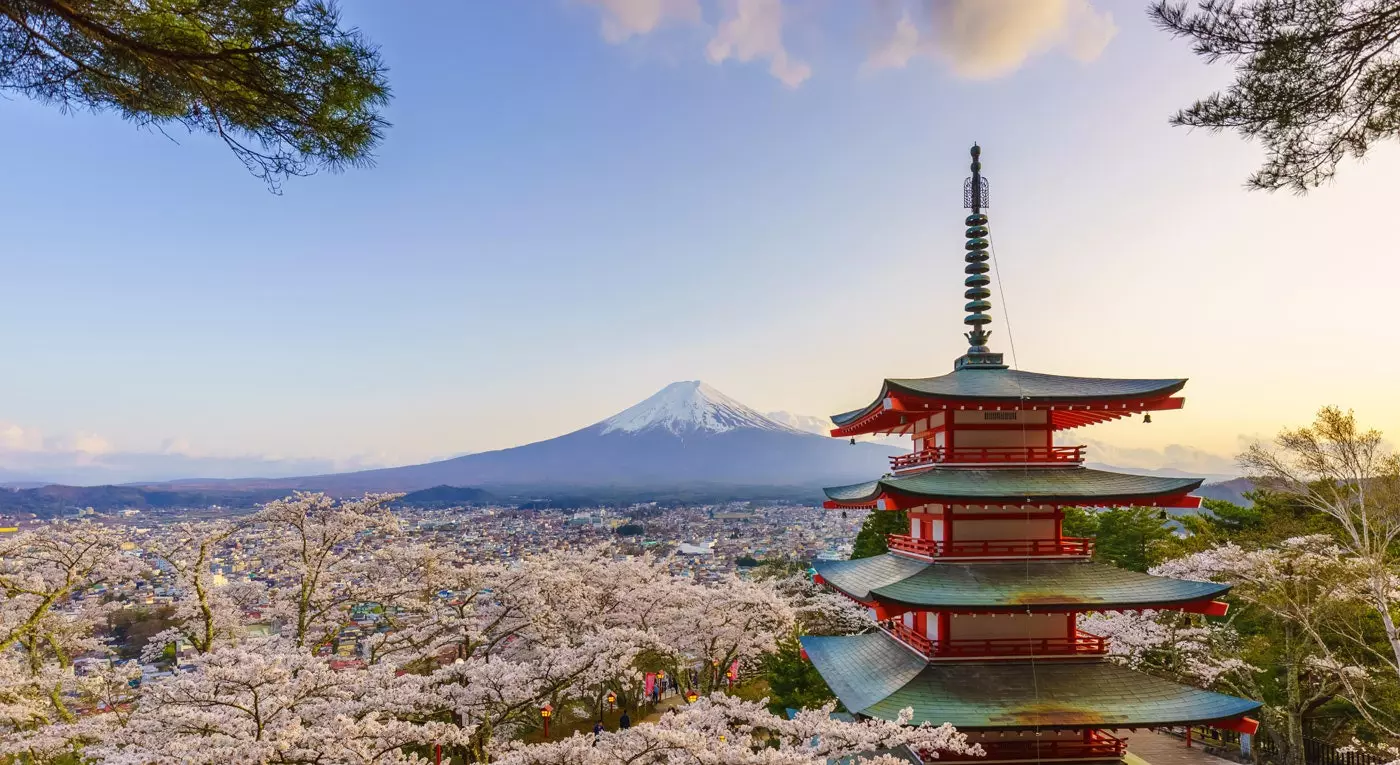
x,y
687,435
687,406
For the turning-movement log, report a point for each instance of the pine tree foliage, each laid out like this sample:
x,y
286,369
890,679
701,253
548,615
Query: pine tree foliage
x,y
1315,80
279,81
870,540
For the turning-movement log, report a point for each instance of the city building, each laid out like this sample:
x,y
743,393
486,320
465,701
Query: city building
x,y
978,603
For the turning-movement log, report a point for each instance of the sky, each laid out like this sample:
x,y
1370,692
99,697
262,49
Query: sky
x,y
580,201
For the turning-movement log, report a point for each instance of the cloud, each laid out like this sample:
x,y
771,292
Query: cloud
x,y
625,19
982,39
83,458
753,29
748,30
1187,459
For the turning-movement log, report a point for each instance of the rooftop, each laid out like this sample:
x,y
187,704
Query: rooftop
x,y
1068,485
1057,585
1015,389
875,676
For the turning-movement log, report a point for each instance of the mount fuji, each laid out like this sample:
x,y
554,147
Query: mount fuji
x,y
686,435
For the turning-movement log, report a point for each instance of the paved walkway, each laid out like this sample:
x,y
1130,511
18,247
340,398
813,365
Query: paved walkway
x,y
1161,749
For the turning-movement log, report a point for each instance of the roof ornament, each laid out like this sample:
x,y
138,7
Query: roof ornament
x,y
975,197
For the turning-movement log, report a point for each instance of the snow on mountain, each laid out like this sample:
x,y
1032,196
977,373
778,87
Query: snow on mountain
x,y
686,435
687,406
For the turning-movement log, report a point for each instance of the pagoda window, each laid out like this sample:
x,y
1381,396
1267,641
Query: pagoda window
x,y
916,528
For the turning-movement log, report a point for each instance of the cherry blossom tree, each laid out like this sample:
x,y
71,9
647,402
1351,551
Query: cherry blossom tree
x,y
205,612
319,548
723,729
269,701
1350,475
1304,600
48,618
461,659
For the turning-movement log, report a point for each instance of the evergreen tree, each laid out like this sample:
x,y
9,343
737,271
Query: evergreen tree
x,y
1134,538
870,540
795,682
1315,80
279,81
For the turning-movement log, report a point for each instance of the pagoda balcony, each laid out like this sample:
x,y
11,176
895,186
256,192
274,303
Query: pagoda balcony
x,y
1064,547
1082,644
990,455
1094,745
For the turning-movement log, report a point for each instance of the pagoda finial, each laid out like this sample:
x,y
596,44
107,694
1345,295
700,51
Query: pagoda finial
x,y
976,197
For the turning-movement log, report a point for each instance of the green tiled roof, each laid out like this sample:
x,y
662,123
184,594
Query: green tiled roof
x,y
1015,385
1049,484
1034,585
877,677
858,577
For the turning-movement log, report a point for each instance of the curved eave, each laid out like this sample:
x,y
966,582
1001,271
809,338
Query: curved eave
x,y
1158,389
898,405
1004,486
894,584
875,676
899,418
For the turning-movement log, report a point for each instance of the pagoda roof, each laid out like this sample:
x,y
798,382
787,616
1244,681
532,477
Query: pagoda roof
x,y
1033,585
876,676
1016,389
1057,485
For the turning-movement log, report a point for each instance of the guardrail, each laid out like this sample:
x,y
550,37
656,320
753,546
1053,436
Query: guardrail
x,y
1082,644
991,455
1082,547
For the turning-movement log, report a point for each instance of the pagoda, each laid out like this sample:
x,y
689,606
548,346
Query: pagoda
x,y
978,604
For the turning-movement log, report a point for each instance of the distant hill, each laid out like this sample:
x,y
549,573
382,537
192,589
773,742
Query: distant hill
x,y
53,501
447,496
1230,491
688,438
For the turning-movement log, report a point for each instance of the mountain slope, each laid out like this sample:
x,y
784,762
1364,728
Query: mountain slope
x,y
688,433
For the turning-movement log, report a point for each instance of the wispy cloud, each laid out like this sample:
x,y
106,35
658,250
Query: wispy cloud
x,y
972,38
30,456
625,19
990,38
753,29
1187,459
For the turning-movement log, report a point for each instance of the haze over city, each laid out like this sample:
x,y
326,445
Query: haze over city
x,y
582,202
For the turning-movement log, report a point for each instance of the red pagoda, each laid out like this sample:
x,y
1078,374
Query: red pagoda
x,y
978,603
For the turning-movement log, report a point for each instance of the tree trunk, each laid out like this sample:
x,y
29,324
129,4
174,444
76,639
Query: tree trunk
x,y
1380,594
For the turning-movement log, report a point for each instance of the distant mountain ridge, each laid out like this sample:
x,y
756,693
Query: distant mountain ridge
x,y
687,435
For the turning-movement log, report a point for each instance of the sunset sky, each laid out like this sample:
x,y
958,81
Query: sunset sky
x,y
580,202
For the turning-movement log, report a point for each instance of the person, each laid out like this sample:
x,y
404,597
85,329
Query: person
x,y
624,722
597,731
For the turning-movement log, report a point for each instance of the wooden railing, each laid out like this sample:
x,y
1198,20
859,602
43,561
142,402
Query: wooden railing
x,y
1094,745
1082,644
990,455
987,548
